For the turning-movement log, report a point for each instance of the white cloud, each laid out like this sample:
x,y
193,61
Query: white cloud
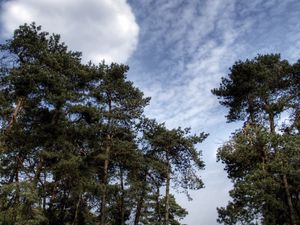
x,y
194,60
100,29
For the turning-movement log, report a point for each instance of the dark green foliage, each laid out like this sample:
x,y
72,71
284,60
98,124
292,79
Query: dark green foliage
x,y
258,192
262,162
178,156
72,148
255,86
176,213
176,148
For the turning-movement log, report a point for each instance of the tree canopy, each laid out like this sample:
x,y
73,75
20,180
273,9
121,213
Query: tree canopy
x,y
75,145
262,158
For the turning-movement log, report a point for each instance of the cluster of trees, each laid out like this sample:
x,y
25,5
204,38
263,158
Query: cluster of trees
x,y
262,158
75,147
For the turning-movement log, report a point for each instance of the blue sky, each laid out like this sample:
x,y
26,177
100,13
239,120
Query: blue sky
x,y
177,51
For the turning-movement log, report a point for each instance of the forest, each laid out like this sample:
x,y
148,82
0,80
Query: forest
x,y
76,147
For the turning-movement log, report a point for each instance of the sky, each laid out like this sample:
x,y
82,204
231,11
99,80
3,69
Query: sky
x,y
177,51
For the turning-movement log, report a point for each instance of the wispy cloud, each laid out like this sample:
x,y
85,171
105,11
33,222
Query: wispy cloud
x,y
102,29
186,46
189,44
184,49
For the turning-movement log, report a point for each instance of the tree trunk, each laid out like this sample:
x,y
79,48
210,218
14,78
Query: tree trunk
x,y
104,182
272,123
139,209
17,185
105,167
15,113
76,210
167,204
122,198
284,178
289,200
157,208
140,202
37,178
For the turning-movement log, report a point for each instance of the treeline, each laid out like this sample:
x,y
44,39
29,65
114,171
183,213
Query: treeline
x,y
75,147
262,158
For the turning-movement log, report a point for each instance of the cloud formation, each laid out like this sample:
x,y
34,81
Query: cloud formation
x,y
185,48
189,44
100,29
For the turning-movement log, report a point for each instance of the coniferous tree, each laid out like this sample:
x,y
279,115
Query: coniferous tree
x,y
39,86
121,105
176,149
258,91
71,147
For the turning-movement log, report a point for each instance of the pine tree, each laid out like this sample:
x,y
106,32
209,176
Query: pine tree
x,y
181,160
258,91
75,147
121,105
38,88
